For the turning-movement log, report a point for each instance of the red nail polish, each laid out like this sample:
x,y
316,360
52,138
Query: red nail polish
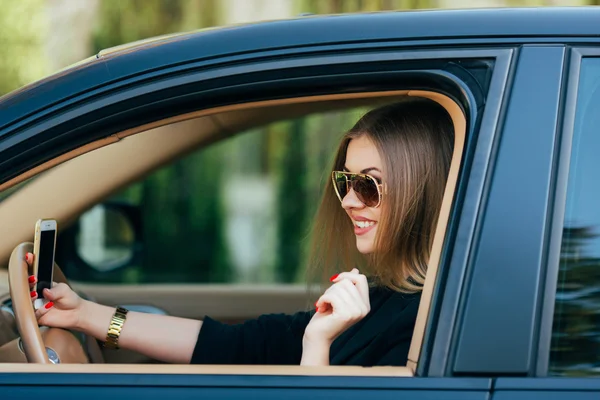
x,y
333,277
32,293
31,279
48,305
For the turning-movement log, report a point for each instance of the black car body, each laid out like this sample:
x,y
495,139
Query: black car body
x,y
515,73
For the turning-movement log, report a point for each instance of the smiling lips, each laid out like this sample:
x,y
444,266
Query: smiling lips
x,y
362,225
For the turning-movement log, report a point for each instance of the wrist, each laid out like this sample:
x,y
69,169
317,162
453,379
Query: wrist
x,y
93,319
315,351
315,342
82,314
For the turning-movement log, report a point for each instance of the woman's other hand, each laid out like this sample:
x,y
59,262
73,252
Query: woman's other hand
x,y
63,308
345,303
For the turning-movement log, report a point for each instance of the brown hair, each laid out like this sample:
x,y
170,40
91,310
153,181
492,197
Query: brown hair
x,y
414,139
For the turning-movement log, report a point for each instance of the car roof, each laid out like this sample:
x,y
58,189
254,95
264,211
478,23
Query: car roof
x,y
121,63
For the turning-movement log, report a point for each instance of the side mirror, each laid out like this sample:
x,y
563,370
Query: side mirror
x,y
101,243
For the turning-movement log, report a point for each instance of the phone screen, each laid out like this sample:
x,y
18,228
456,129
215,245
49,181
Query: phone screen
x,y
45,261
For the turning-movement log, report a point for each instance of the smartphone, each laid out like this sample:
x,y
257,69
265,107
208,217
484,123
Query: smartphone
x,y
44,245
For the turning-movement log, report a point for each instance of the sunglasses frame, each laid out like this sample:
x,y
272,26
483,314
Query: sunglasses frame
x,y
378,185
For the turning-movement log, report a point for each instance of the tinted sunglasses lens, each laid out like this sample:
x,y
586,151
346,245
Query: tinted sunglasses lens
x,y
366,190
340,184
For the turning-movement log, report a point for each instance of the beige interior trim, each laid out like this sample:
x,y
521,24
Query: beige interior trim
x,y
235,302
58,160
16,227
460,130
185,117
286,370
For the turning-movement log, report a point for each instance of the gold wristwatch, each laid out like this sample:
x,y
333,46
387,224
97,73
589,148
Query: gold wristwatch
x,y
114,329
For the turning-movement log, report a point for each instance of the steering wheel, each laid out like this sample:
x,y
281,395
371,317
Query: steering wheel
x,y
37,344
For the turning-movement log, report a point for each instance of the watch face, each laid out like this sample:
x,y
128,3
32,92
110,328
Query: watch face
x,y
52,356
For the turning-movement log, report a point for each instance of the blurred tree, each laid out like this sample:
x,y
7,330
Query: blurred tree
x,y
22,54
71,24
121,22
184,241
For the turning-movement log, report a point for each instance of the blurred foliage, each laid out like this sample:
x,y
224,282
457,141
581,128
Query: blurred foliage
x,y
176,219
122,22
22,53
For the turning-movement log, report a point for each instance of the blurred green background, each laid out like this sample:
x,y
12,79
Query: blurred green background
x,y
243,206
40,37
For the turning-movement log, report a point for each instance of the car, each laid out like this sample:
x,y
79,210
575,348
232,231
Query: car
x,y
510,306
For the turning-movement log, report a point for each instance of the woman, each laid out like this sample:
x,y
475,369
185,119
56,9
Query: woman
x,y
389,176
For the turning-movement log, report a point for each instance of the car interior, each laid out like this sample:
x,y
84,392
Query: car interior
x,y
75,181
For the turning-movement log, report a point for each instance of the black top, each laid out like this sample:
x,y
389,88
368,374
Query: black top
x,y
381,338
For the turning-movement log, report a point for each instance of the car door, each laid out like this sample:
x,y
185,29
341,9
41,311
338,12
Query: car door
x,y
566,362
477,80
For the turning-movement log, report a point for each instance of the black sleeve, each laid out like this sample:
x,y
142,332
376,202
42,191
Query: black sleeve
x,y
397,353
269,339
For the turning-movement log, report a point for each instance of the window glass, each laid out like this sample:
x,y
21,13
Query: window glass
x,y
576,332
236,211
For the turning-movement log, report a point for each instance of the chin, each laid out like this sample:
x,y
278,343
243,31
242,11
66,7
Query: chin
x,y
365,245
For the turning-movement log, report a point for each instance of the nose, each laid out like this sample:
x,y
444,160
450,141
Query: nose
x,y
350,201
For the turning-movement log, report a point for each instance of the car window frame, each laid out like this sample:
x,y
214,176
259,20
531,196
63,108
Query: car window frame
x,y
499,74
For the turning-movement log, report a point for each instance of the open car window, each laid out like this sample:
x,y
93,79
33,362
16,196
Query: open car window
x,y
278,137
242,206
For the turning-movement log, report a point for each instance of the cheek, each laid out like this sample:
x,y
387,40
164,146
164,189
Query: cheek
x,y
376,212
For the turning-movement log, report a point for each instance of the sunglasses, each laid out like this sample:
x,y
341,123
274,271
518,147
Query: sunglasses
x,y
367,189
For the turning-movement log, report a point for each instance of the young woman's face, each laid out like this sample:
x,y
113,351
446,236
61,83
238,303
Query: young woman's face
x,y
362,157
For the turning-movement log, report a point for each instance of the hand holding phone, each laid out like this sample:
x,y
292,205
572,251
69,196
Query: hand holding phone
x,y
43,250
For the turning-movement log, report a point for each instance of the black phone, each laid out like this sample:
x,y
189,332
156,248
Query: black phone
x,y
43,249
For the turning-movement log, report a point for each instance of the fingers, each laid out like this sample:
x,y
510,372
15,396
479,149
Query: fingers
x,y
31,279
45,309
330,302
353,294
349,300
58,291
359,280
341,307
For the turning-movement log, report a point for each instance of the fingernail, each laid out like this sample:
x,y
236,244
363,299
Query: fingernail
x,y
333,277
27,257
47,306
32,293
31,279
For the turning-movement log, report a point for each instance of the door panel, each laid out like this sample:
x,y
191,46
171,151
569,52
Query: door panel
x,y
498,329
99,386
546,388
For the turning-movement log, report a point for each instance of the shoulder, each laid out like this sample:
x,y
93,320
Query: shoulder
x,y
381,292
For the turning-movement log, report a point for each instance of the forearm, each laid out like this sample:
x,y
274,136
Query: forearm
x,y
315,353
160,337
